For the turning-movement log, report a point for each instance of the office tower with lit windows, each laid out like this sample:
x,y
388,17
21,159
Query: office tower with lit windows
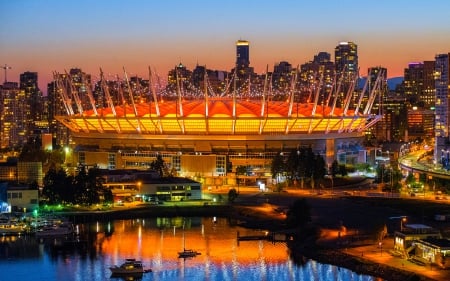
x,y
281,77
442,117
13,131
8,106
346,60
320,68
321,65
428,96
380,73
33,108
79,91
60,134
419,83
392,108
346,63
242,54
243,70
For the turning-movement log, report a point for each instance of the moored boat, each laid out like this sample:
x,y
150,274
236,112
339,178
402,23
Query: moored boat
x,y
12,228
129,267
188,253
62,229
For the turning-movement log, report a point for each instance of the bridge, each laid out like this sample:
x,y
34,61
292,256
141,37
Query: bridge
x,y
412,163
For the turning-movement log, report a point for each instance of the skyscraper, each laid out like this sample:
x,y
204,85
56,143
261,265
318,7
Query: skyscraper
x,y
242,54
346,62
442,117
9,110
281,77
243,70
33,107
320,66
419,83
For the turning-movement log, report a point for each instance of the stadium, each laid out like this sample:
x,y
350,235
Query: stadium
x,y
207,137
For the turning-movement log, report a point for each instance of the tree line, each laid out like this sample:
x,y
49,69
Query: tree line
x,y
299,166
85,188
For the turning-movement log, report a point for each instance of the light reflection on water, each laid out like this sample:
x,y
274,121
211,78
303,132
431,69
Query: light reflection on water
x,y
156,242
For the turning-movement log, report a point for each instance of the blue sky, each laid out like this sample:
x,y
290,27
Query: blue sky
x,y
50,35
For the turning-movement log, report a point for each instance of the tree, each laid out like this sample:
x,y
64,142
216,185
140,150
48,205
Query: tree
x,y
94,185
292,164
50,188
410,179
299,213
342,170
334,168
278,167
232,195
158,165
319,171
79,186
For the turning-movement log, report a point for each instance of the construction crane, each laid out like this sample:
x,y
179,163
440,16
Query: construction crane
x,y
6,67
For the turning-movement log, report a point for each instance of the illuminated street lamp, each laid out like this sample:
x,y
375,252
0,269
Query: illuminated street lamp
x,y
402,221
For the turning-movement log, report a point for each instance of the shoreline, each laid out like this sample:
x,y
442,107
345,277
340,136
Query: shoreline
x,y
306,247
360,265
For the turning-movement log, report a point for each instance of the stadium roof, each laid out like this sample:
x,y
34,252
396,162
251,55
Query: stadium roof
x,y
222,116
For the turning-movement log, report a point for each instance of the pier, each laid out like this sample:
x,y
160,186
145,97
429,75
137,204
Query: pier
x,y
267,236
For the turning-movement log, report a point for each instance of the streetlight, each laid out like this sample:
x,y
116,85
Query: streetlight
x,y
402,221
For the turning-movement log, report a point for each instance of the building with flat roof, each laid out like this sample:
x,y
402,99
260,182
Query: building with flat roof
x,y
148,186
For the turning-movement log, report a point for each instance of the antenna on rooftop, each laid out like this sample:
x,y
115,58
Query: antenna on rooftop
x,y
6,67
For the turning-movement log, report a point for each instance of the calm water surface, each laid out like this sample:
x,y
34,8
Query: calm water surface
x,y
156,242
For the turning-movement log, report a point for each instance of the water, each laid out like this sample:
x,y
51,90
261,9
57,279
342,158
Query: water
x,y
156,242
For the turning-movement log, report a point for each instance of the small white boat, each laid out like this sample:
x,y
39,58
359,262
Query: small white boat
x,y
188,253
131,267
55,230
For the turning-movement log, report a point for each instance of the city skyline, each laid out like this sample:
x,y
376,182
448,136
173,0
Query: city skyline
x,y
47,36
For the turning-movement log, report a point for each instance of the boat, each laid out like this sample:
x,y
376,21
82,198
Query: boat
x,y
61,229
12,228
131,267
188,253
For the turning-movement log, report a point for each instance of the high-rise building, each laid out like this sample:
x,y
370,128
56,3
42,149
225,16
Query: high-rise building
x,y
33,108
428,95
346,63
243,70
372,74
13,132
320,68
281,77
179,76
55,106
8,106
242,54
346,60
419,83
420,124
442,117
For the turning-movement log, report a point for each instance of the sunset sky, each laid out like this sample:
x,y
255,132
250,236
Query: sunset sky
x,y
55,35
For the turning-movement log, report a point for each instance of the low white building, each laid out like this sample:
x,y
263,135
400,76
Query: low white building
x,y
170,189
22,199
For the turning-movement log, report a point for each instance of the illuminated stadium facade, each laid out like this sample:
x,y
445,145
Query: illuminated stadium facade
x,y
207,137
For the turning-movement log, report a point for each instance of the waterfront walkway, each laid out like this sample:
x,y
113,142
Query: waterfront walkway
x,y
373,252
